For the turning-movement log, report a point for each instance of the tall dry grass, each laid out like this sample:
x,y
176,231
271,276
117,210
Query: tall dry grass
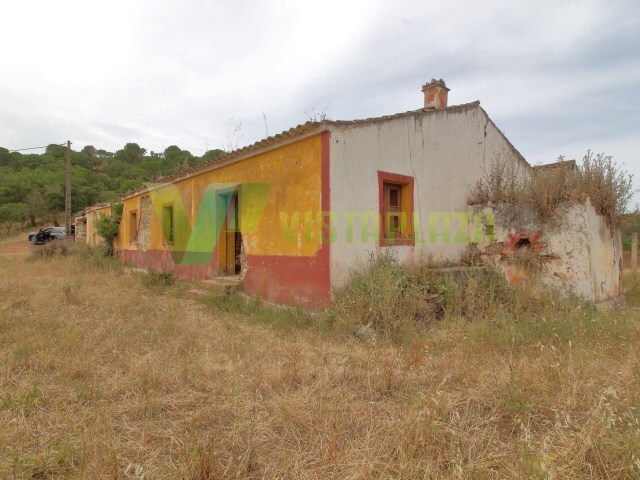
x,y
388,296
102,377
597,177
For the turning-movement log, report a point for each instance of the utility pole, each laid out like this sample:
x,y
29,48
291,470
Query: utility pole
x,y
67,196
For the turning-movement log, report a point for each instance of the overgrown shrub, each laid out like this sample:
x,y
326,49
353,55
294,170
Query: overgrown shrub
x,y
81,250
390,297
107,225
158,279
502,183
631,288
608,187
387,295
102,257
598,178
228,300
54,248
547,187
481,293
99,255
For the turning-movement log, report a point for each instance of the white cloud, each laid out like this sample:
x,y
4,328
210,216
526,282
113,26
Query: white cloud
x,y
557,77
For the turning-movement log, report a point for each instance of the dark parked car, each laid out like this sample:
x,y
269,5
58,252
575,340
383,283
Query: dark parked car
x,y
48,234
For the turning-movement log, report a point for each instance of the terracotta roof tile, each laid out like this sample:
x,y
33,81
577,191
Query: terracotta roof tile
x,y
288,135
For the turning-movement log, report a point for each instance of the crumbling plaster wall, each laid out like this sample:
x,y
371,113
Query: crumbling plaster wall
x,y
578,251
144,224
81,229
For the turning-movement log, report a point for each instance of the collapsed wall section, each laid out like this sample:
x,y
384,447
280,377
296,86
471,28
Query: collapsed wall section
x,y
574,250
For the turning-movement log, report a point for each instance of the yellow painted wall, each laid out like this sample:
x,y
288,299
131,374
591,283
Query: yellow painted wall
x,y
123,240
93,239
293,175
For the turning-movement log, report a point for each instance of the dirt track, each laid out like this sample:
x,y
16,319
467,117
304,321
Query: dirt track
x,y
15,248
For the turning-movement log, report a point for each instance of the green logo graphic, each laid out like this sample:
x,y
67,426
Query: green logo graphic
x,y
238,207
195,245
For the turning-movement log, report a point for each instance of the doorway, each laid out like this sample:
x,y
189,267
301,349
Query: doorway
x,y
230,239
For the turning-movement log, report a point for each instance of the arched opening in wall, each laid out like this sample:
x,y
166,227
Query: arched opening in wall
x,y
523,243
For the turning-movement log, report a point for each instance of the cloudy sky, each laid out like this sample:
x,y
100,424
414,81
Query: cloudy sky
x,y
558,77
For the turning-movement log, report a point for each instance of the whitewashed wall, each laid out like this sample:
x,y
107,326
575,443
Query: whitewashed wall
x,y
446,151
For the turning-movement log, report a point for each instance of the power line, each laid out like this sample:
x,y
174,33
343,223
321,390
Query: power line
x,y
36,148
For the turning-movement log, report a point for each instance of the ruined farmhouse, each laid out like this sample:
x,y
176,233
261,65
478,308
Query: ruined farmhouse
x,y
289,216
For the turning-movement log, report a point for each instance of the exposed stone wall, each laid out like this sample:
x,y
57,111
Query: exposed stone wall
x,y
577,251
81,229
144,224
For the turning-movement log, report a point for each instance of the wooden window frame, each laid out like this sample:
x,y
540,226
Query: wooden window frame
x,y
406,184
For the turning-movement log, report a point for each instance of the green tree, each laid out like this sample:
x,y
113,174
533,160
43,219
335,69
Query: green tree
x,y
107,225
136,148
103,154
115,168
132,153
152,167
11,213
58,151
37,180
6,159
212,154
35,206
89,151
175,158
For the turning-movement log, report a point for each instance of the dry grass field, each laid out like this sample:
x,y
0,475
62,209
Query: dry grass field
x,y
104,377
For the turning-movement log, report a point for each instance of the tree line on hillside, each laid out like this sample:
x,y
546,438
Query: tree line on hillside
x,y
33,185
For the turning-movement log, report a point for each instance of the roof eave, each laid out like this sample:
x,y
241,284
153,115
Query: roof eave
x,y
293,135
